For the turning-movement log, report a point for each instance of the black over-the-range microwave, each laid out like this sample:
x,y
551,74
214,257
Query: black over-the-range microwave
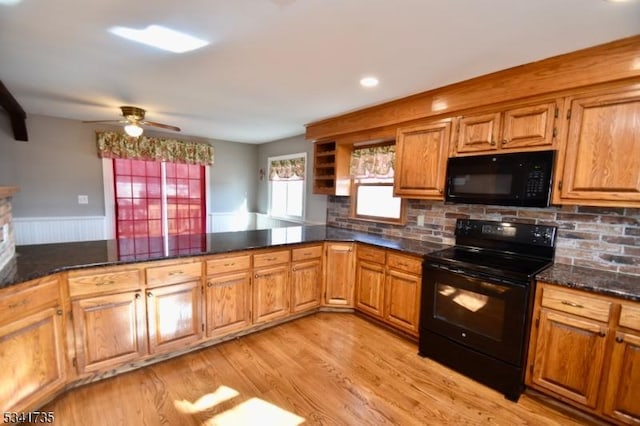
x,y
517,179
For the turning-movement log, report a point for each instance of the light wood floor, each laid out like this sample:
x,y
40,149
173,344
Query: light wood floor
x,y
328,368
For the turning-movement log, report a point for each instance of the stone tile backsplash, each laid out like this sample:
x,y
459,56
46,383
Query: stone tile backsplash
x,y
605,238
7,237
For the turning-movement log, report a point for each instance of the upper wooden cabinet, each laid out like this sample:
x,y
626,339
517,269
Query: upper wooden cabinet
x,y
331,168
421,160
599,164
530,127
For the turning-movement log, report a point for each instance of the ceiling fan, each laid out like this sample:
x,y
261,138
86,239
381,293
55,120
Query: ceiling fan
x,y
133,118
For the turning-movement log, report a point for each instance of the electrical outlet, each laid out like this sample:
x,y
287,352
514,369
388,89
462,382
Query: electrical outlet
x,y
83,199
420,220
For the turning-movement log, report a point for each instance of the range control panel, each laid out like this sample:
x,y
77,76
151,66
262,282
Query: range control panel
x,y
513,232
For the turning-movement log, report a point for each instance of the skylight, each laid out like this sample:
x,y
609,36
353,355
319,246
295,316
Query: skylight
x,y
161,37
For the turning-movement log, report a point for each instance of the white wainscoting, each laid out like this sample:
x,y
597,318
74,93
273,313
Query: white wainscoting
x,y
42,230
233,221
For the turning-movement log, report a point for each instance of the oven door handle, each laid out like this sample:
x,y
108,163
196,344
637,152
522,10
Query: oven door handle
x,y
473,275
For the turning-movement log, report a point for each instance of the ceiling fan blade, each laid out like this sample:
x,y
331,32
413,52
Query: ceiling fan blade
x,y
105,121
163,126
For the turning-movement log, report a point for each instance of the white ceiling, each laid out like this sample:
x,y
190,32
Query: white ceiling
x,y
275,65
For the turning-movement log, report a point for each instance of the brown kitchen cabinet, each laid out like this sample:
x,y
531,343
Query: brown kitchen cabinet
x,y
306,277
388,287
331,162
370,279
271,292
522,128
421,160
32,349
109,317
402,297
599,165
227,294
174,304
339,275
585,350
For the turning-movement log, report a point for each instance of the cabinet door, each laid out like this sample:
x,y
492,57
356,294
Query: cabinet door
x,y
569,356
173,313
110,330
403,300
227,303
531,126
478,133
622,397
32,360
421,160
339,274
306,279
370,287
270,293
602,159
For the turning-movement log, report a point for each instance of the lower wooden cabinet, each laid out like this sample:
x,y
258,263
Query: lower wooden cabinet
x,y
585,350
271,293
109,330
174,316
388,287
227,303
339,277
306,277
33,363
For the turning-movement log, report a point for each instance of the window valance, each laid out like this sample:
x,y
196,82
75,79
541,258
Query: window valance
x,y
119,145
373,162
287,169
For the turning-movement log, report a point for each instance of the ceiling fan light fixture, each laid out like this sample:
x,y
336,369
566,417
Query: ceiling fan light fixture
x,y
133,130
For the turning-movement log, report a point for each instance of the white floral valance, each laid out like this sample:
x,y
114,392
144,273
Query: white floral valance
x,y
373,162
287,169
119,145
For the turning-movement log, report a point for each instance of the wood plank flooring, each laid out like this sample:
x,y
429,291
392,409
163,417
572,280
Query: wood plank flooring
x,y
325,369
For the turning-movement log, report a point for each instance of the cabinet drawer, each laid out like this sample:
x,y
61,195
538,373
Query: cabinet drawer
x,y
40,294
408,264
630,316
106,282
371,254
271,258
223,264
304,253
575,303
171,274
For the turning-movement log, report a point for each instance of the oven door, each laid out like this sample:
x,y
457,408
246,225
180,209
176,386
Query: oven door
x,y
484,315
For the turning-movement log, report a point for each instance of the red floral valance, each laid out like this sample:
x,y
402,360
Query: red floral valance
x,y
373,162
119,145
288,169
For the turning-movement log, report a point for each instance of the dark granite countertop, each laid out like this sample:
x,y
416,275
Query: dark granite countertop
x,y
35,261
594,280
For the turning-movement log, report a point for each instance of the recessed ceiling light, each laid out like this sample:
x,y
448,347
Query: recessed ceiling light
x,y
161,37
369,82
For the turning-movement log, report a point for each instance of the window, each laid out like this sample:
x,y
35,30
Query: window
x,y
287,186
160,207
372,185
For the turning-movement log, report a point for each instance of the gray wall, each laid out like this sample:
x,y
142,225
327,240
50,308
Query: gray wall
x,y
60,162
316,205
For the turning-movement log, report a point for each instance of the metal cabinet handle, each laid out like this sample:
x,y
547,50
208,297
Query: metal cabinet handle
x,y
59,312
572,304
619,339
505,141
176,273
110,282
149,294
209,284
602,334
138,296
230,264
492,143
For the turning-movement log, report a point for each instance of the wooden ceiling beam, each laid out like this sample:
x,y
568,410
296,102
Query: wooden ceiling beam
x,y
17,116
